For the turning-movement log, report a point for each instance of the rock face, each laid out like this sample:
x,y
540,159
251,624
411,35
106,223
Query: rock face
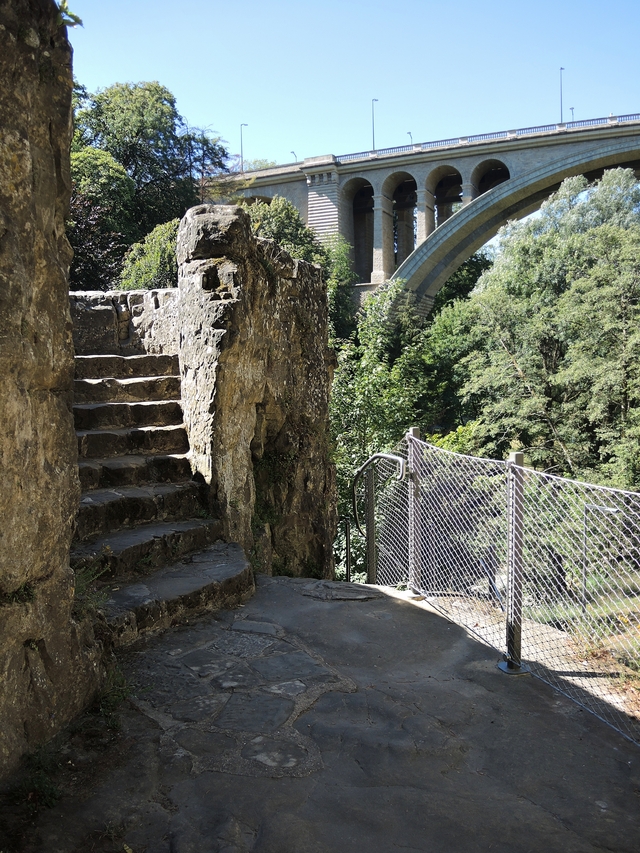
x,y
255,388
48,664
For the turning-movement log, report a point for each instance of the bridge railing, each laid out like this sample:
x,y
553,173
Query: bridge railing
x,y
484,137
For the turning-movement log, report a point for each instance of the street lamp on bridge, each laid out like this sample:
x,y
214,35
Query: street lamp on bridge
x,y
410,135
561,70
373,125
241,148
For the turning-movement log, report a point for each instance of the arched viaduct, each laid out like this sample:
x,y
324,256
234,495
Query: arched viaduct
x,y
417,212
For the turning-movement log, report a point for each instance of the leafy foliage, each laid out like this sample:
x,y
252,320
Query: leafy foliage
x,y
340,277
98,250
66,17
135,164
139,125
281,222
542,355
152,263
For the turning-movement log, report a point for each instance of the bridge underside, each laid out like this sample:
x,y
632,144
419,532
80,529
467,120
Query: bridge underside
x,y
429,266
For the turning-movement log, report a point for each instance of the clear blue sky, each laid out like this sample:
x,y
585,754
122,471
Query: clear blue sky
x,y
301,75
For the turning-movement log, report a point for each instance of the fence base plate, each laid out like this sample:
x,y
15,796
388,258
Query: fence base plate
x,y
511,668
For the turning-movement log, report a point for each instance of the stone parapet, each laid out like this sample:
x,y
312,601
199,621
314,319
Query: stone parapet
x,y
255,388
125,322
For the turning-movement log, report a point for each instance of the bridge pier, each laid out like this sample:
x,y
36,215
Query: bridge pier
x,y
383,254
469,192
425,214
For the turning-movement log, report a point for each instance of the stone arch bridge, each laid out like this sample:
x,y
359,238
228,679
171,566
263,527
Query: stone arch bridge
x,y
417,212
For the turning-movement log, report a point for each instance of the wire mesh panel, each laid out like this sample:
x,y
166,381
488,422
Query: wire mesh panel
x,y
544,569
458,537
391,521
581,594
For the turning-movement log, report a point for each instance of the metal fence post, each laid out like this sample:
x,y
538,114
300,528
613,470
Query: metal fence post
x,y
414,512
370,509
347,542
512,663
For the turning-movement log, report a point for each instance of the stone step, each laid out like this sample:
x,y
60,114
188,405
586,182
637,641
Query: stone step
x,y
216,578
98,444
133,470
121,366
89,416
104,510
140,549
133,390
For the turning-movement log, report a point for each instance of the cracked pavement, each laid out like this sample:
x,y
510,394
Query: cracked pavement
x,y
327,718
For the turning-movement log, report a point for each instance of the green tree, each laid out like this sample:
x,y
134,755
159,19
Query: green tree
x,y
100,223
340,278
140,127
152,262
99,178
549,346
280,221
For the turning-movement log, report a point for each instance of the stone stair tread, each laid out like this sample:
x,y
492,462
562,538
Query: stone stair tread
x,y
139,404
102,511
125,430
127,389
124,380
219,576
105,415
120,541
215,563
115,471
118,366
151,490
133,460
124,441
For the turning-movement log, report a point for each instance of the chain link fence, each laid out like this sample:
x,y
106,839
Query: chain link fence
x,y
544,569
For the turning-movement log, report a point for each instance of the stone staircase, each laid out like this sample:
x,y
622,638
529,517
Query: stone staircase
x,y
143,532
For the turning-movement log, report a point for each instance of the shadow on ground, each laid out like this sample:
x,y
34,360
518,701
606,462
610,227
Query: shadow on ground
x,y
326,718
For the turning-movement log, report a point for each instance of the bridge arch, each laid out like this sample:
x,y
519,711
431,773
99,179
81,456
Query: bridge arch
x,y
444,183
357,224
488,174
439,256
400,187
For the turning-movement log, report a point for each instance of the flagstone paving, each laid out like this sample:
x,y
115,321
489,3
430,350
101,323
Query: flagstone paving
x,y
327,718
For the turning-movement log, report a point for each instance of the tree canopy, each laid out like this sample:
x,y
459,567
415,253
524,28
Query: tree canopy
x,y
135,164
542,356
139,125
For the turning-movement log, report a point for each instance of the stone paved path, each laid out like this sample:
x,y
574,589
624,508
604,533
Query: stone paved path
x,y
328,718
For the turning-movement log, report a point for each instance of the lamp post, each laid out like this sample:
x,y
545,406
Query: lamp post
x,y
373,124
295,155
241,148
571,108
410,135
561,70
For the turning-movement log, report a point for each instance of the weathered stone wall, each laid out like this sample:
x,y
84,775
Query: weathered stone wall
x,y
48,664
130,322
255,388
